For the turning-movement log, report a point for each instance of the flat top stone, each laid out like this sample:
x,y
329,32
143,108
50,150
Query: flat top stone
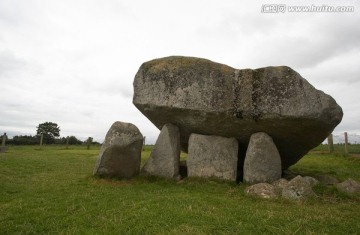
x,y
204,97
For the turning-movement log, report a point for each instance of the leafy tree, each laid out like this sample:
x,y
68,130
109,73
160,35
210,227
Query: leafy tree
x,y
24,140
49,130
74,140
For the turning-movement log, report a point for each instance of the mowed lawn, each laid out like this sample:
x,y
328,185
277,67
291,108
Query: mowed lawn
x,y
53,191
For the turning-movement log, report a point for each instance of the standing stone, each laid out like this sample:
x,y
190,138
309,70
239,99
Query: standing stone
x,y
164,159
346,143
212,156
3,140
89,141
41,140
330,141
67,142
262,162
3,148
120,154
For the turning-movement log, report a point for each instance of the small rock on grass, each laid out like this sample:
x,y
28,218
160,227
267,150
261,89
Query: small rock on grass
x,y
349,186
279,185
262,190
298,189
327,180
311,181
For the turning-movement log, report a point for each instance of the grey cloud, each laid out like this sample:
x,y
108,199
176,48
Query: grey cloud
x,y
311,48
9,12
338,69
115,86
300,40
115,89
10,63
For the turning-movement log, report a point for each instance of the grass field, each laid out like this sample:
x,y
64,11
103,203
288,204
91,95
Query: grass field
x,y
338,148
53,191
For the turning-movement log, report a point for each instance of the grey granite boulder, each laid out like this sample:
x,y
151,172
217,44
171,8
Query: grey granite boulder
x,y
164,159
212,156
327,180
298,189
120,154
349,186
311,181
262,162
208,98
279,185
263,190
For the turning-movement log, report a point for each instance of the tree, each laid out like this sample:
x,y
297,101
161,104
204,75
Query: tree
x,y
49,130
24,140
74,140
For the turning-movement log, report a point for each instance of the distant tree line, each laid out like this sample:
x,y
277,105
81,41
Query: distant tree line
x,y
51,135
35,140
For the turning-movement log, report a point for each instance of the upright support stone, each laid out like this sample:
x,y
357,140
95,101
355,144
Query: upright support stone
x,y
212,156
164,160
330,143
346,143
262,162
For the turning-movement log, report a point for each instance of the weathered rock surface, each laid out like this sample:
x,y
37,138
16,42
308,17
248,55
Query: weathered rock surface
x,y
204,97
327,179
120,154
311,181
263,190
349,186
298,188
262,161
279,185
164,159
212,156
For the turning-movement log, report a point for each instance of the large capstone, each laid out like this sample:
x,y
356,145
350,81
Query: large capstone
x,y
204,97
120,154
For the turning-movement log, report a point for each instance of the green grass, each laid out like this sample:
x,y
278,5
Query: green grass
x,y
341,167
338,148
53,191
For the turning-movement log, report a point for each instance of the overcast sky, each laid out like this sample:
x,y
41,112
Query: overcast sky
x,y
73,62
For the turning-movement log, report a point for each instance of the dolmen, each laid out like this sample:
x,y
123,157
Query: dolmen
x,y
235,124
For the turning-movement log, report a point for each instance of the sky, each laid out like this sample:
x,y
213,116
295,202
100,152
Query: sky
x,y
73,62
